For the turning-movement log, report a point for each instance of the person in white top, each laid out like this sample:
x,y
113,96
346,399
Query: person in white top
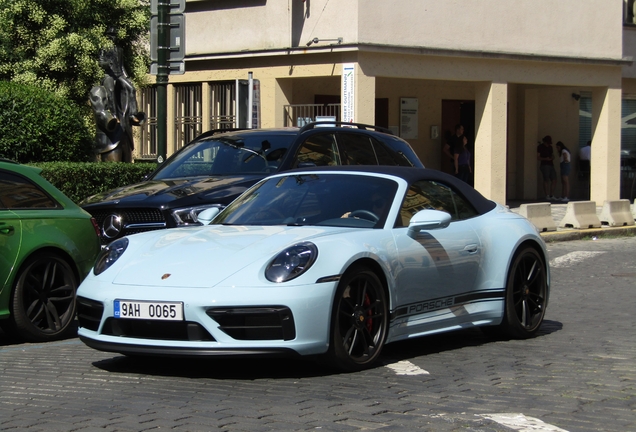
x,y
586,152
566,159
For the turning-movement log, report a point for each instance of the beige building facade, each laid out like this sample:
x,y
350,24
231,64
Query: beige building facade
x,y
511,71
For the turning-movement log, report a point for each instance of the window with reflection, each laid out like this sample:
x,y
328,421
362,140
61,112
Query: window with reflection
x,y
427,194
344,200
319,150
19,193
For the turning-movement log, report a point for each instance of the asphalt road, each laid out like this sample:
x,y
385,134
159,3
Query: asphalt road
x,y
579,374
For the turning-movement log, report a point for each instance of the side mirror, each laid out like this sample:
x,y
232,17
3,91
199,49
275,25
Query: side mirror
x,y
428,220
206,216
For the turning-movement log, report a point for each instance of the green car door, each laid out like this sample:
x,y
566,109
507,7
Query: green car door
x,y
10,236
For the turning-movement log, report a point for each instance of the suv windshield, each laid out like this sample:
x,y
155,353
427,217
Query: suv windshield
x,y
230,154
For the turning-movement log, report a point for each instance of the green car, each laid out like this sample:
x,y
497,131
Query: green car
x,y
47,246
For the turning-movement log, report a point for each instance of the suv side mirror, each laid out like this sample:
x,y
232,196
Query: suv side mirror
x,y
428,220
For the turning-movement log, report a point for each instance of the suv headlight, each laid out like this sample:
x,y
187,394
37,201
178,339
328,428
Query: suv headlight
x,y
109,255
189,215
292,262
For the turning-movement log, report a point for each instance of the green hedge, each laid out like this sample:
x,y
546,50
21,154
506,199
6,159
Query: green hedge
x,y
79,180
38,126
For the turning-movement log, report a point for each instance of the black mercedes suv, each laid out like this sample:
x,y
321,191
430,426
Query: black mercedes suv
x,y
219,165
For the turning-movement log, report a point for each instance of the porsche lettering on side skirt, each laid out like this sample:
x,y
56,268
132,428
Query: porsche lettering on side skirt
x,y
446,302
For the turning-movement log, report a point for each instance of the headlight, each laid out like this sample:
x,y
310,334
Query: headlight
x,y
189,215
109,255
292,262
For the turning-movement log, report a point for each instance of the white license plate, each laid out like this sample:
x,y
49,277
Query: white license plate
x,y
149,310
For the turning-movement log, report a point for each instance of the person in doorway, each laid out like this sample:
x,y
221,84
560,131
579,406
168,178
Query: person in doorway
x,y
545,154
461,159
456,141
585,154
566,159
586,151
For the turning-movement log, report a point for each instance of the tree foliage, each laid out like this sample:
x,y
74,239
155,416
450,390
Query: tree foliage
x,y
38,126
55,44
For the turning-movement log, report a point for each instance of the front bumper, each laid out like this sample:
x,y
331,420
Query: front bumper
x,y
277,320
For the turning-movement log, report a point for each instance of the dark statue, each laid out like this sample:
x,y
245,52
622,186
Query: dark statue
x,y
114,104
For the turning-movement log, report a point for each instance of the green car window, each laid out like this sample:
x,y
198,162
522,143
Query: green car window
x,y
18,193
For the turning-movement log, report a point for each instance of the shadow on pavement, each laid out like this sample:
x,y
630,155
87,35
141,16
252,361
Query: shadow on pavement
x,y
217,368
285,368
443,342
8,339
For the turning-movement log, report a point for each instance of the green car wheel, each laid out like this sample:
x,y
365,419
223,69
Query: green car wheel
x,y
43,303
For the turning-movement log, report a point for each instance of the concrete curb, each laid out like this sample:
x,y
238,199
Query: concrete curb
x,y
579,234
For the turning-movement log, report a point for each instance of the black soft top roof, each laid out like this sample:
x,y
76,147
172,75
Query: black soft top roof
x,y
411,175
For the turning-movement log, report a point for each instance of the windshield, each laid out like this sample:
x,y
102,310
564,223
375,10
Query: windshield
x,y
236,154
314,199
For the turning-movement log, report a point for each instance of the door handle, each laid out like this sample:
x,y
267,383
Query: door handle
x,y
471,248
6,229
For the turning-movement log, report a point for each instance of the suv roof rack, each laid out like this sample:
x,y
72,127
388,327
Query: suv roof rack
x,y
313,125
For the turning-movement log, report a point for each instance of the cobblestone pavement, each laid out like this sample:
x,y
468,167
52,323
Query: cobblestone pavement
x,y
579,374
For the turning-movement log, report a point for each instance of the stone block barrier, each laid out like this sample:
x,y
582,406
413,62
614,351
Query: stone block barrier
x,y
580,215
540,214
617,213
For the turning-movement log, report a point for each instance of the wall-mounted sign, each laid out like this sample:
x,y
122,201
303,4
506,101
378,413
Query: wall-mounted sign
x,y
408,118
348,92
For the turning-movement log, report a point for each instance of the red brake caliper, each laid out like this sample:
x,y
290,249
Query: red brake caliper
x,y
367,302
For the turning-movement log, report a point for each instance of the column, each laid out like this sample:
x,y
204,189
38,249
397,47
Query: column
x,y
205,106
364,98
277,93
491,100
605,163
170,115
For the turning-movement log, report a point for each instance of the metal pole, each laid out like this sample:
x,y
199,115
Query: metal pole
x,y
163,46
250,98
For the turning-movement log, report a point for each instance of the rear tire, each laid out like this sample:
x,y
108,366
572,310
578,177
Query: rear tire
x,y
43,299
359,320
526,294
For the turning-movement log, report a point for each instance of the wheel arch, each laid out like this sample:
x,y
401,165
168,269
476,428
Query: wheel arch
x,y
48,249
378,270
536,246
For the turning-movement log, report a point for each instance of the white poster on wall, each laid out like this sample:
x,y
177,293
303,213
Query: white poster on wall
x,y
408,118
348,92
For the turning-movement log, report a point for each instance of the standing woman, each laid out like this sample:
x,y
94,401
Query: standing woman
x,y
566,158
461,155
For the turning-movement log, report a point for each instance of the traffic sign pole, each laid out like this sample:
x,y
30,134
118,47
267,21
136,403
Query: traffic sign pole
x,y
163,46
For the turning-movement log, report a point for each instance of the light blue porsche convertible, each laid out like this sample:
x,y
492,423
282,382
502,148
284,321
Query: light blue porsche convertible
x,y
328,262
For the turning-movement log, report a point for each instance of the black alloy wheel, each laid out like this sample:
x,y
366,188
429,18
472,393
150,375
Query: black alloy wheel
x,y
359,320
43,304
526,294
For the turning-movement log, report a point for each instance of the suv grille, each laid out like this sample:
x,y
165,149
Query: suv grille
x,y
132,221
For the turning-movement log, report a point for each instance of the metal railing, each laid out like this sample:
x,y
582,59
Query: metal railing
x,y
188,119
301,114
148,131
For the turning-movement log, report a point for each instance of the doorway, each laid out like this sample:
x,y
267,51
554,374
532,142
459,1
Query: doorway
x,y
456,112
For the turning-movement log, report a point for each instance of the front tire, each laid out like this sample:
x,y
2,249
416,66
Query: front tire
x,y
526,294
43,301
359,320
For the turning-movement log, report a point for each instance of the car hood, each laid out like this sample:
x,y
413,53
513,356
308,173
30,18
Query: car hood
x,y
200,257
169,193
